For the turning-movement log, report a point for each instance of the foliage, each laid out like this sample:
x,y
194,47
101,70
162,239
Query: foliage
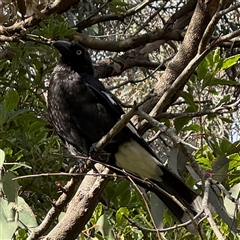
x,y
29,146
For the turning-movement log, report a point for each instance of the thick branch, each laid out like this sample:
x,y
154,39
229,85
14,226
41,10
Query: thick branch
x,y
81,206
199,22
56,209
112,67
129,43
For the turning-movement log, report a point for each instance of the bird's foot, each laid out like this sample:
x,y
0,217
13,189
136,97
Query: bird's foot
x,y
99,155
82,166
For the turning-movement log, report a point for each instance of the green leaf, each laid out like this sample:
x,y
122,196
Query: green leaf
x,y
216,55
104,227
180,122
221,81
207,80
21,234
9,187
227,120
15,63
226,146
220,168
117,10
11,100
230,206
214,144
204,163
189,100
125,198
26,215
229,62
50,28
209,60
120,3
225,99
14,114
192,127
41,136
157,208
217,66
120,219
7,216
121,187
202,69
19,165
35,127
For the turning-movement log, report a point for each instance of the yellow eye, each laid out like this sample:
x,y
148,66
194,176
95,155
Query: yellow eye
x,y
79,52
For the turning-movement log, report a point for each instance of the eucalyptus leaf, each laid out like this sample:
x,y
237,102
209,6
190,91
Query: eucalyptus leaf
x,y
230,61
9,187
231,207
8,225
26,215
11,100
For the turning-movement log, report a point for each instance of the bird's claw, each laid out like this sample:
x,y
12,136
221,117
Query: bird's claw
x,y
82,166
99,155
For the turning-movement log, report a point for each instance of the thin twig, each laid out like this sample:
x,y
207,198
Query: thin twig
x,y
136,81
146,204
177,140
67,174
208,212
166,229
225,191
120,124
217,110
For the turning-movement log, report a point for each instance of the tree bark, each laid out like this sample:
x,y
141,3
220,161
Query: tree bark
x,y
201,17
82,205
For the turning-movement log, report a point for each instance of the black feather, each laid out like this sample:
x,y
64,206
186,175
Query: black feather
x,y
82,110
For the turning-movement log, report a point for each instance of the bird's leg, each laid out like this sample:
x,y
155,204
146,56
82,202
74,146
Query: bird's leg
x,y
99,155
83,165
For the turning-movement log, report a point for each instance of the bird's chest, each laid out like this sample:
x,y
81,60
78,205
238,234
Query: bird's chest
x,y
71,98
75,108
68,91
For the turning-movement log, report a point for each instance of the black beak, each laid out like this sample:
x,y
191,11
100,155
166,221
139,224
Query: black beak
x,y
63,47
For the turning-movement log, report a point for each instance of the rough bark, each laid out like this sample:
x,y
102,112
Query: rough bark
x,y
201,17
81,207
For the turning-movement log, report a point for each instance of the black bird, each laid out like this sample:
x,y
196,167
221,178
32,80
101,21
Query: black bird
x,y
82,110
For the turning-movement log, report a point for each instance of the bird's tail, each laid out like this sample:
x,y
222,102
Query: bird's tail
x,y
178,192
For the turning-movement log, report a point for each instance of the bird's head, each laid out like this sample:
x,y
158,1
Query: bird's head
x,y
75,56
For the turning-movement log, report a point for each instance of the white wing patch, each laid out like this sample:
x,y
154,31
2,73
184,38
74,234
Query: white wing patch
x,y
129,125
133,158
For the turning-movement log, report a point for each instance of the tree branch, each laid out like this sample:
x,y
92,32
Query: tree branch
x,y
89,21
56,209
177,140
208,212
81,206
58,6
129,43
188,50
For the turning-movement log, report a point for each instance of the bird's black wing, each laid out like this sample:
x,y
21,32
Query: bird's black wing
x,y
104,95
111,103
170,182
